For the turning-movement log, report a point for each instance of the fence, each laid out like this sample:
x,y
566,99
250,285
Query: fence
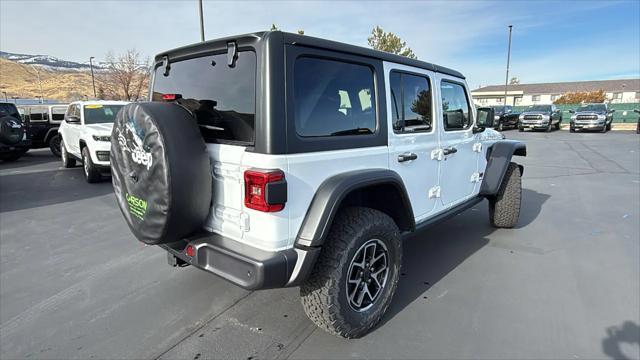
x,y
624,112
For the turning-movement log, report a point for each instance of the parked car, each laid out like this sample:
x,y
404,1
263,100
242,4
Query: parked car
x,y
274,168
43,122
86,136
591,117
505,117
638,124
13,137
540,117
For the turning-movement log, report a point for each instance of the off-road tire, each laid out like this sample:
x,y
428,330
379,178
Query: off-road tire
x,y
549,127
558,125
500,127
609,127
324,293
91,172
572,129
604,129
54,144
67,160
504,209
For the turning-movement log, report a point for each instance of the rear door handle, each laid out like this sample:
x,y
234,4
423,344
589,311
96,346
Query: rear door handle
x,y
407,157
449,151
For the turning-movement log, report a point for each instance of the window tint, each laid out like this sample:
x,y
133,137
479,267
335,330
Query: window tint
x,y
333,98
100,114
38,113
57,113
9,110
411,102
455,106
222,98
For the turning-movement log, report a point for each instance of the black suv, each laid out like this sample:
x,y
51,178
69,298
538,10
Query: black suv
x,y
592,117
13,140
540,117
505,117
42,122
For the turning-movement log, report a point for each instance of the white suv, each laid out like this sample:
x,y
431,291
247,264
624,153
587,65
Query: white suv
x,y
86,136
275,159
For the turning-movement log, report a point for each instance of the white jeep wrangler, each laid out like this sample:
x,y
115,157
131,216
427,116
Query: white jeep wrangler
x,y
274,159
86,136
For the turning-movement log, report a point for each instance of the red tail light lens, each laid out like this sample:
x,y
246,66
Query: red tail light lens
x,y
255,189
171,97
190,251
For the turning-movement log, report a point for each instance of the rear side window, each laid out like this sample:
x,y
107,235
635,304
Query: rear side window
x,y
38,113
222,98
333,98
411,102
455,107
57,113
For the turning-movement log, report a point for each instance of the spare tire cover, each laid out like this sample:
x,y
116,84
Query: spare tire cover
x,y
161,171
11,130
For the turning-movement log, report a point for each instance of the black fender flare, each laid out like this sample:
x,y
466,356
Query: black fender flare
x,y
50,133
499,156
333,190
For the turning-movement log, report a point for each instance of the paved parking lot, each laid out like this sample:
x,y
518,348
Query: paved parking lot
x,y
565,284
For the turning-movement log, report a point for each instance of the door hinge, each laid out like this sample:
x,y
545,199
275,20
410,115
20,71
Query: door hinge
x,y
475,177
437,154
434,192
477,147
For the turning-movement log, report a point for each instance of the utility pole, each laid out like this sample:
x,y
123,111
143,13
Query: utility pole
x,y
201,20
5,96
506,80
93,80
39,84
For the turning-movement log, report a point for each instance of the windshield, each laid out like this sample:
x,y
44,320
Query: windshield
x,y
592,107
100,114
222,98
539,108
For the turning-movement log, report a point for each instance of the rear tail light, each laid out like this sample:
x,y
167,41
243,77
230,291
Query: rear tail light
x,y
171,97
190,251
265,190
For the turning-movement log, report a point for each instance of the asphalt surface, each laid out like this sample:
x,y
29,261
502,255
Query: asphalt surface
x,y
565,283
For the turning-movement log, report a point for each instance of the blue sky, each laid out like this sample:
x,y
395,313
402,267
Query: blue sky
x,y
552,40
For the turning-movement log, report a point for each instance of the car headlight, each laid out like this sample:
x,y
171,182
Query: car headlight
x,y
521,117
601,117
496,117
102,137
545,117
573,117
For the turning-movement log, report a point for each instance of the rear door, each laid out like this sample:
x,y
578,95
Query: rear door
x,y
460,158
413,135
223,100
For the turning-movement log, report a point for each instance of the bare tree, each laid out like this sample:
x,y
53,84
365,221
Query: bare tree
x,y
126,76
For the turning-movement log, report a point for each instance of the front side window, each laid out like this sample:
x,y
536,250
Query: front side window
x,y
411,102
100,114
456,112
57,113
333,98
222,98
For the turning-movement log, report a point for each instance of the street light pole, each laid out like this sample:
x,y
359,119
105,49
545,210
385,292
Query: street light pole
x,y
5,96
506,80
39,84
201,20
93,80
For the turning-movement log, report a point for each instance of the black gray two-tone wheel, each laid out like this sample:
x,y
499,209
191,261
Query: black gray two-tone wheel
x,y
54,145
356,274
367,275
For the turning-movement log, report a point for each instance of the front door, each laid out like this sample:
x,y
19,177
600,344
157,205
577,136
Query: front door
x,y
413,135
458,174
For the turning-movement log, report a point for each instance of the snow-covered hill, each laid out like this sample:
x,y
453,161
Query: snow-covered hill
x,y
48,62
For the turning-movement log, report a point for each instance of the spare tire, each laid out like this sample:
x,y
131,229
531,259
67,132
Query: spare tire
x,y
11,130
161,171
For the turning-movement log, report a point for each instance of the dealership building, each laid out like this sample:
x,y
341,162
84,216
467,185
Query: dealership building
x,y
617,92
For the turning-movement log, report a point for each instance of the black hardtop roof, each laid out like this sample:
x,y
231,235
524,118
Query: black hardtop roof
x,y
310,41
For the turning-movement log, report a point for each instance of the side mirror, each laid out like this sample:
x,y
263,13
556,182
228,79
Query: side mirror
x,y
612,111
484,119
72,120
636,110
572,111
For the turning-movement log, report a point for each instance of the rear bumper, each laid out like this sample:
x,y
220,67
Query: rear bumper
x,y
243,265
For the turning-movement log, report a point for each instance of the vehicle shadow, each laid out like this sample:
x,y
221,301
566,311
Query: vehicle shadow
x,y
629,333
47,187
32,157
430,255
